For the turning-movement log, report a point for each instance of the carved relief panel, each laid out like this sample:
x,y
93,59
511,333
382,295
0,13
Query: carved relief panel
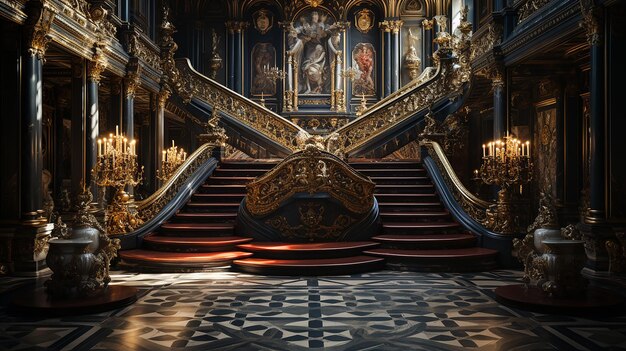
x,y
546,150
364,61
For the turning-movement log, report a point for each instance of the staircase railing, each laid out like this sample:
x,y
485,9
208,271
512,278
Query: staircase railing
x,y
246,111
469,210
173,194
471,204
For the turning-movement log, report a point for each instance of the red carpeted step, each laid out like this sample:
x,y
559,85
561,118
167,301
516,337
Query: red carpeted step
x,y
203,217
193,244
415,216
212,207
410,206
248,164
307,250
223,189
419,227
401,180
426,241
404,188
427,197
197,229
149,260
393,172
238,172
385,164
446,260
317,267
208,197
229,180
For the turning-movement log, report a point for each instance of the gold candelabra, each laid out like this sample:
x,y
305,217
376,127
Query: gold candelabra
x,y
116,166
505,163
272,73
172,158
353,74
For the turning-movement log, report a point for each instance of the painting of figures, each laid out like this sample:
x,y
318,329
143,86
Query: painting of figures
x,y
363,59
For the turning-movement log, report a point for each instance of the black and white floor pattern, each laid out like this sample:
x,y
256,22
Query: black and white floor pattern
x,y
386,310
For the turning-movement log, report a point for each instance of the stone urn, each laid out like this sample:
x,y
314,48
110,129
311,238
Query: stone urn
x,y
71,263
542,234
564,261
86,232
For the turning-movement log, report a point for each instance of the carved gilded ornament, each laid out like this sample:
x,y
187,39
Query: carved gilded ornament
x,y
591,21
529,7
310,171
391,25
138,48
487,41
311,227
37,29
364,20
132,80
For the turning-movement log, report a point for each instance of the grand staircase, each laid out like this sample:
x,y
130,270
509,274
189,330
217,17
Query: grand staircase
x,y
417,233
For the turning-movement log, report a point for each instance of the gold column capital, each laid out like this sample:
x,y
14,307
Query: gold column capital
x,y
132,79
163,95
427,24
97,64
591,22
37,28
236,26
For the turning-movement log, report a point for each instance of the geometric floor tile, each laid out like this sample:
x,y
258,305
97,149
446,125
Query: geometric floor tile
x,y
222,310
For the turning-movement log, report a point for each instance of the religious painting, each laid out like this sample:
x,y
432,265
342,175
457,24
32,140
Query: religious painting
x,y
546,156
263,21
364,20
263,57
363,60
309,39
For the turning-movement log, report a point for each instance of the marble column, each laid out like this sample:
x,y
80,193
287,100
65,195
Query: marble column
x,y
387,75
30,242
427,26
499,104
132,81
236,30
92,123
396,25
159,135
78,127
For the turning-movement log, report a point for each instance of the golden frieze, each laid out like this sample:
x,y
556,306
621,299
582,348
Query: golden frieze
x,y
310,171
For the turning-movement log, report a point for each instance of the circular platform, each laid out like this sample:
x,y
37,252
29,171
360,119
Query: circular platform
x,y
38,301
532,298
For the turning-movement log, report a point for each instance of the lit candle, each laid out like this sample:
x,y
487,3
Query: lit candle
x,y
172,142
475,173
99,147
528,148
483,150
117,130
164,156
184,156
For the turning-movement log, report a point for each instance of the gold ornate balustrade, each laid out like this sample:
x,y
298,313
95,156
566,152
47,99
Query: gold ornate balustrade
x,y
472,205
151,206
248,112
310,171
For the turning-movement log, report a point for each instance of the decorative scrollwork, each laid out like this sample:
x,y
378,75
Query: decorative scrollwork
x,y
486,41
311,227
310,171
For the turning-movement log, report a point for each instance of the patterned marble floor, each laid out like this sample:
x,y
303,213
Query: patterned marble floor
x,y
378,311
